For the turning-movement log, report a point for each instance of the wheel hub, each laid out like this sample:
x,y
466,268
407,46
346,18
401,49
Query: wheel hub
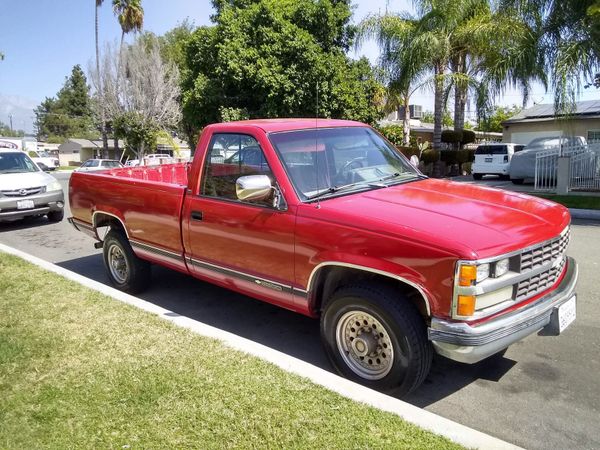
x,y
365,345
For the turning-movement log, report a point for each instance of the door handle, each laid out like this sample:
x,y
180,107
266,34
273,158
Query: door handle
x,y
196,215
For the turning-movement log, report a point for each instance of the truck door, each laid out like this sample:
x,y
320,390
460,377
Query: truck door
x,y
248,245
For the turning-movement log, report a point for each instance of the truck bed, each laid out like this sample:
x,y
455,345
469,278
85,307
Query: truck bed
x,y
147,201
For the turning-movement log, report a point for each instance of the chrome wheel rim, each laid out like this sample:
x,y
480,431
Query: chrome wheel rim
x,y
365,345
117,264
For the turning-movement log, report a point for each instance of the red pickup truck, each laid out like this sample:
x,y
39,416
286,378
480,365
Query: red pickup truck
x,y
329,220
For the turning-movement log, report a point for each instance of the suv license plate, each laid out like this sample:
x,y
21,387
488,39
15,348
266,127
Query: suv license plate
x,y
567,313
25,204
489,159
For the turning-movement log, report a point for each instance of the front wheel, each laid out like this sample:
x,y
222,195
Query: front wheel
x,y
517,180
56,216
377,338
125,270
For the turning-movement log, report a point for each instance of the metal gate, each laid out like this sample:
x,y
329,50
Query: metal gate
x,y
584,173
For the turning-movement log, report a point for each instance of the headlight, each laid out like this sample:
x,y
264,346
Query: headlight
x,y
471,274
53,186
501,267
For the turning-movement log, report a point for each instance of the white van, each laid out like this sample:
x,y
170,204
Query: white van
x,y
493,159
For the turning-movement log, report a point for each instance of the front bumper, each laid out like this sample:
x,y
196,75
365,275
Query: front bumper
x,y
469,344
43,204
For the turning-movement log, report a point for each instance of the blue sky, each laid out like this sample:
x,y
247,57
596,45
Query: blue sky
x,y
43,39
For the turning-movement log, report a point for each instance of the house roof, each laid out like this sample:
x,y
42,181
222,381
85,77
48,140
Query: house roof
x,y
86,143
537,113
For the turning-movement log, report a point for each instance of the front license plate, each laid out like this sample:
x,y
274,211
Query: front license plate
x,y
489,159
567,313
25,204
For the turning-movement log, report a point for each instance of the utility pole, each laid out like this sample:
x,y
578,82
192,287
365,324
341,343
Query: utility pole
x,y
10,120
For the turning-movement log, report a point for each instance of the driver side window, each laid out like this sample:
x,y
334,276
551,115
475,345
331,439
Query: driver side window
x,y
233,156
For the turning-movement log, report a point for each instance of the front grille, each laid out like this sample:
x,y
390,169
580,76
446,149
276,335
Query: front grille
x,y
538,283
545,253
24,192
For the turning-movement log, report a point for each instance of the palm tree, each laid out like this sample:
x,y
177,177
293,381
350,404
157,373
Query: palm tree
x,y
568,34
99,87
402,67
130,15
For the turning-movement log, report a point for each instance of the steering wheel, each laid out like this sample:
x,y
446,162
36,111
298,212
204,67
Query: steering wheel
x,y
356,163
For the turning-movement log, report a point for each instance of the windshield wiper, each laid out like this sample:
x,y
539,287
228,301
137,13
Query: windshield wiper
x,y
334,189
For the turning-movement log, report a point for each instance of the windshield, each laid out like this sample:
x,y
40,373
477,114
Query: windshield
x,y
329,159
17,162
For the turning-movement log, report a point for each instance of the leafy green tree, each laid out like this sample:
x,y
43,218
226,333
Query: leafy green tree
x,y
428,117
274,58
6,131
493,121
69,114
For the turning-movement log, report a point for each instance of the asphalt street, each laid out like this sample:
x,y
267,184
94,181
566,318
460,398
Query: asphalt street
x,y
543,394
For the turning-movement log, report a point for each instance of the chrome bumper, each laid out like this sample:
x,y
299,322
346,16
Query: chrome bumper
x,y
469,344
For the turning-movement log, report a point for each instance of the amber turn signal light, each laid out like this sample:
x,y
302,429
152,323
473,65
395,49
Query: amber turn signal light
x,y
465,305
467,275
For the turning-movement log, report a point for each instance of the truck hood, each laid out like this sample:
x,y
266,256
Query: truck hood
x,y
470,221
14,181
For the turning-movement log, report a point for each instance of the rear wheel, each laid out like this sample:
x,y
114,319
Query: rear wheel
x,y
477,176
125,270
517,180
373,336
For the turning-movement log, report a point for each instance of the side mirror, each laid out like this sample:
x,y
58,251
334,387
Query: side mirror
x,y
253,187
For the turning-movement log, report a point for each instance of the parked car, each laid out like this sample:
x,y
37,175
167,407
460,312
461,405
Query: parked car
x,y
522,164
337,224
44,159
493,159
25,190
99,164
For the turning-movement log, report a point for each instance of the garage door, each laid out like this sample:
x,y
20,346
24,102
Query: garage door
x,y
525,137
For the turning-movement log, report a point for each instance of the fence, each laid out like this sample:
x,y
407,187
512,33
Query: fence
x,y
584,168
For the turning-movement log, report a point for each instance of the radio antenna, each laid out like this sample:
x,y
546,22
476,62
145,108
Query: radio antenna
x,y
317,147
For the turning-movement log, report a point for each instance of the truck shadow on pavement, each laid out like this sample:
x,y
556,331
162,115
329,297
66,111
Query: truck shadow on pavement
x,y
282,330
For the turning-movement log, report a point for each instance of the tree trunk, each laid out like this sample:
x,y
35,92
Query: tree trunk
x,y
406,122
117,89
460,93
438,110
100,93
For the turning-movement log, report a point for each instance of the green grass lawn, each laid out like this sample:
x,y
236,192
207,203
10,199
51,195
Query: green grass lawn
x,y
574,201
67,168
81,370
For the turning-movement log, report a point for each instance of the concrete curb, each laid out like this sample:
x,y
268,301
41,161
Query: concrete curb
x,y
586,214
456,432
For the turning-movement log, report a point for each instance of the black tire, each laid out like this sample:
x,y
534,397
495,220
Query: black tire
x,y
125,270
404,329
517,180
56,216
505,177
477,176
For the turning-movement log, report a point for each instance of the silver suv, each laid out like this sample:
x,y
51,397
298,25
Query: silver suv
x,y
25,190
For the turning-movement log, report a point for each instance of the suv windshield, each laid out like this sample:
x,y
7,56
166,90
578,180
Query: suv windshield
x,y
17,162
322,161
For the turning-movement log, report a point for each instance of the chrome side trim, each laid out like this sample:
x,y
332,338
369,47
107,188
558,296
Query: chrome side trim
x,y
270,284
156,250
108,214
311,278
83,227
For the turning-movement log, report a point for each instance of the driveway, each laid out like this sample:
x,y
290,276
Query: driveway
x,y
543,394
